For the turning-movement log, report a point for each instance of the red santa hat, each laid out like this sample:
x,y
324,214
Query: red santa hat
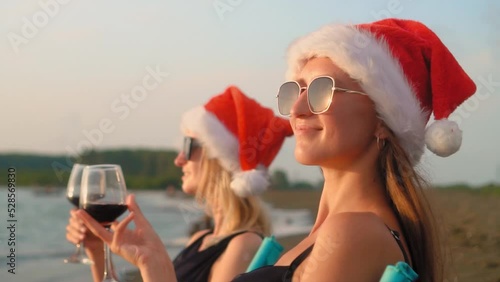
x,y
405,69
244,136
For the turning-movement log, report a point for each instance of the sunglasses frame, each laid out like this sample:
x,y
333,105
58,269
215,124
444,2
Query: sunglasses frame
x,y
303,88
189,144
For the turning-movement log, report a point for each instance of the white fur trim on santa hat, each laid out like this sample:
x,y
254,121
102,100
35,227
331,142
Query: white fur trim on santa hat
x,y
219,142
369,61
443,137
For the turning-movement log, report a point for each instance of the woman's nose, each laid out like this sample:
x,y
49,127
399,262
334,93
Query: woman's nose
x,y
300,107
180,160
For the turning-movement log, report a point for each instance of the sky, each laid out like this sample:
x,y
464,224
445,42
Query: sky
x,y
119,74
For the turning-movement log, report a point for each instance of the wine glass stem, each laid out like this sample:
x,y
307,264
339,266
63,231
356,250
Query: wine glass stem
x,y
109,272
79,249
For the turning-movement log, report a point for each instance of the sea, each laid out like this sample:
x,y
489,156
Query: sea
x,y
37,227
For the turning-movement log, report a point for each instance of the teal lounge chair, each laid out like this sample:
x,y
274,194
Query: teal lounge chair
x,y
401,272
267,254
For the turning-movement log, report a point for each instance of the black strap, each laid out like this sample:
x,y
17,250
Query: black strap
x,y
396,236
231,236
202,236
287,276
255,232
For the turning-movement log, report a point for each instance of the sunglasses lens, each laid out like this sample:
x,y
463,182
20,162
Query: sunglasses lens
x,y
320,94
186,148
287,95
189,145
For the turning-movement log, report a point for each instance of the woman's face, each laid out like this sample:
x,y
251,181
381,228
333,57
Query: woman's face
x,y
190,169
344,132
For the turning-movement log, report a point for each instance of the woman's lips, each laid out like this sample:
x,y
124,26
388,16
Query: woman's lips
x,y
303,129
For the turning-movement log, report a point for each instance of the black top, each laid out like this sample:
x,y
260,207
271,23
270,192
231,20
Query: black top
x,y
274,273
192,265
285,273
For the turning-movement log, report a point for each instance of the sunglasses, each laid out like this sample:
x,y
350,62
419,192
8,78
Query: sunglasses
x,y
319,95
189,145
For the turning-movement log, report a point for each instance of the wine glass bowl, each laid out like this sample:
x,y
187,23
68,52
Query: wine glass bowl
x,y
103,197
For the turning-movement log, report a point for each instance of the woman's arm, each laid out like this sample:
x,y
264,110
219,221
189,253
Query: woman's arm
x,y
141,246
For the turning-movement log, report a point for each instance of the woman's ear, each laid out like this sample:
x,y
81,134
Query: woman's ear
x,y
381,130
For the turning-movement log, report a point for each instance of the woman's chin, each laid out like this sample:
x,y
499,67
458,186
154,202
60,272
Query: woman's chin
x,y
305,158
188,189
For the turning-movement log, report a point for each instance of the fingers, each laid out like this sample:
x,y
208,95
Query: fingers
x,y
75,230
133,207
95,227
72,237
76,223
132,204
120,226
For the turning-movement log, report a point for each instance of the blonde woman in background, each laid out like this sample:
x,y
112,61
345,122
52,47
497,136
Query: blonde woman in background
x,y
229,143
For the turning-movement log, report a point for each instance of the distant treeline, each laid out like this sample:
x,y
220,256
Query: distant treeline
x,y
143,169
485,189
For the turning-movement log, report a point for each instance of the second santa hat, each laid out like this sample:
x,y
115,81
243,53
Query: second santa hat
x,y
244,136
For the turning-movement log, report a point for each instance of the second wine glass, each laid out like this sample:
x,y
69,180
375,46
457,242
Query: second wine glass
x,y
102,196
73,195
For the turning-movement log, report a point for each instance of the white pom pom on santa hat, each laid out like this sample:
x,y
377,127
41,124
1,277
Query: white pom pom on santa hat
x,y
250,182
443,137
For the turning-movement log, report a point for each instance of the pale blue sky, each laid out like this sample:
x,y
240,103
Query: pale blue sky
x,y
67,73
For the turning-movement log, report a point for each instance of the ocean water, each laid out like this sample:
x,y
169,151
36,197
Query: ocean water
x,y
41,245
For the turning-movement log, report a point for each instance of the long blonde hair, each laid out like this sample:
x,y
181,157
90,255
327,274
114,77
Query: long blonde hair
x,y
405,189
239,213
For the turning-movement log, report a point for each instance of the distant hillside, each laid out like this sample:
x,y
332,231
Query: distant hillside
x,y
142,168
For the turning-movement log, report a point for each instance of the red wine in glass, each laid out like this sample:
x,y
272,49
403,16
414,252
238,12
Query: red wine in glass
x,y
75,200
105,213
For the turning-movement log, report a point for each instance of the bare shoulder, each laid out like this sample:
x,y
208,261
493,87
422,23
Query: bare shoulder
x,y
248,241
352,223
355,232
197,235
236,258
346,239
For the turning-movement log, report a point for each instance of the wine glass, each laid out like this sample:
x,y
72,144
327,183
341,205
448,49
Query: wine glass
x,y
103,197
73,195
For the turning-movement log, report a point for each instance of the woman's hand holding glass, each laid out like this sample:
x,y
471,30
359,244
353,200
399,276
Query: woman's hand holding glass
x,y
140,246
77,232
73,195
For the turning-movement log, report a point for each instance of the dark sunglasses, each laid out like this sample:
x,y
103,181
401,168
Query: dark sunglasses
x,y
319,95
189,145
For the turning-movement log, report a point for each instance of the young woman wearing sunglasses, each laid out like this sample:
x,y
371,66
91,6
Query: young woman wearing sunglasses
x,y
359,101
359,106
229,143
